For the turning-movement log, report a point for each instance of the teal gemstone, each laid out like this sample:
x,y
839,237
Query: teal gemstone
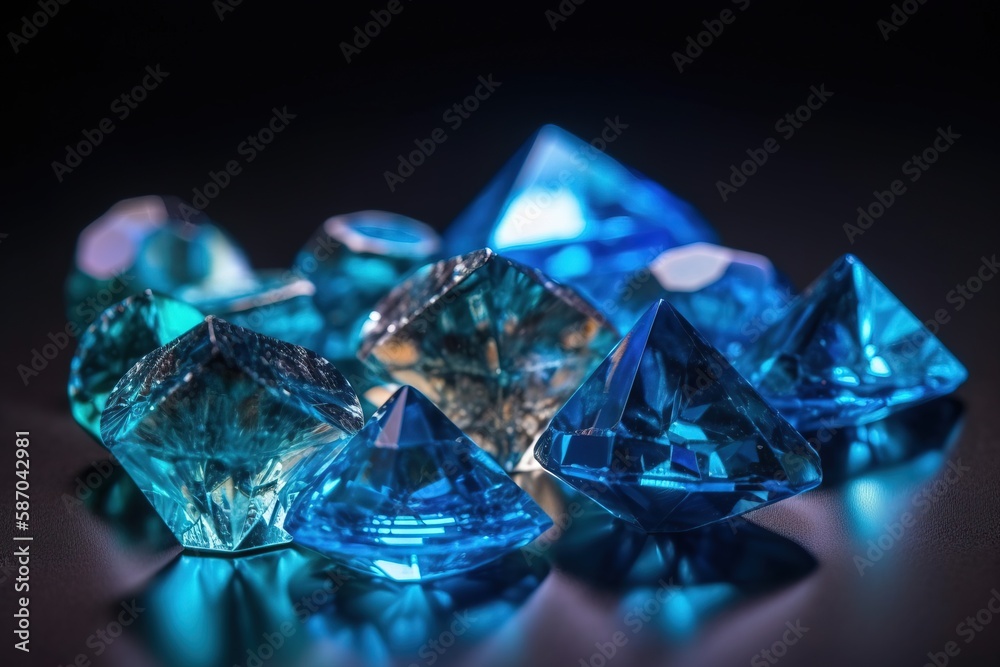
x,y
213,425
667,435
848,352
354,260
121,336
499,347
412,498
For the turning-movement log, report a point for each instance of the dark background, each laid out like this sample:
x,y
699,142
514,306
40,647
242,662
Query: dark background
x,y
608,59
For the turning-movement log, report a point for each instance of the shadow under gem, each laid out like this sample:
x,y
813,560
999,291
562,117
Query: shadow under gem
x,y
110,494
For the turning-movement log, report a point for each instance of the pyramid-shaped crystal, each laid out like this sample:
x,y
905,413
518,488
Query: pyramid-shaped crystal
x,y
666,434
413,498
111,345
848,352
567,208
498,346
214,424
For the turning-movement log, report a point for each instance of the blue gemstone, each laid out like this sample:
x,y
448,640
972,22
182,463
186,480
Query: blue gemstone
x,y
213,425
354,260
153,242
497,345
273,303
848,352
667,435
121,336
563,206
728,295
413,498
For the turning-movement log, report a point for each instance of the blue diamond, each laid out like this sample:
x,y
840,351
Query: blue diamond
x,y
563,206
121,336
354,260
728,295
666,434
212,426
413,498
273,303
848,352
497,345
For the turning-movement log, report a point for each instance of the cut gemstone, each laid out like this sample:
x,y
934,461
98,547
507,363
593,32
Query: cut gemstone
x,y
157,243
563,206
121,336
273,303
354,260
498,346
728,295
667,435
848,352
413,498
212,425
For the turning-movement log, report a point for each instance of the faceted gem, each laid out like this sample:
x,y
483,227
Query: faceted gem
x,y
726,294
413,498
121,336
273,303
498,346
212,426
667,435
157,243
563,206
848,352
354,260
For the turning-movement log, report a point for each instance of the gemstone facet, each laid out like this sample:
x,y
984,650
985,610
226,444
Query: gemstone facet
x,y
354,260
413,498
563,206
212,426
726,294
498,346
121,336
667,435
848,352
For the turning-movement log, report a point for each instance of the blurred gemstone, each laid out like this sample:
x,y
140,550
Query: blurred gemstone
x,y
496,345
667,435
728,295
848,352
563,206
212,425
273,303
354,260
413,498
121,336
152,242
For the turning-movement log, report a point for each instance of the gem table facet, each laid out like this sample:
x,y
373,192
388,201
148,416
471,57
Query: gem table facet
x,y
111,345
848,352
667,435
212,425
497,346
567,208
413,498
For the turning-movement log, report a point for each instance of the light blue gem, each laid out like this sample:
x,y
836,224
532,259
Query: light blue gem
x,y
730,296
565,207
848,352
354,260
667,435
212,426
413,498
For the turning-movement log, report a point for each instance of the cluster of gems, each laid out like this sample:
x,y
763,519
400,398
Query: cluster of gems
x,y
236,398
